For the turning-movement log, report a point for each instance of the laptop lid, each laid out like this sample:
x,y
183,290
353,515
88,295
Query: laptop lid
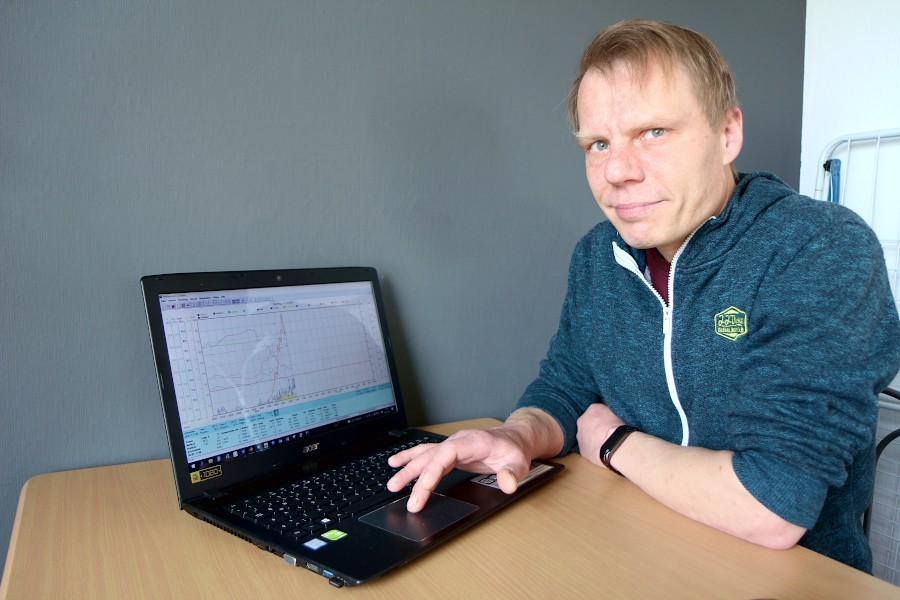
x,y
262,369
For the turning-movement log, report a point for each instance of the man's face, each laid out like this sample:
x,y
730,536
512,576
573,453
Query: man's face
x,y
655,166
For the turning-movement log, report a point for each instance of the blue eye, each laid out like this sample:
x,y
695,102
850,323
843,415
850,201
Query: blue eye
x,y
599,146
656,132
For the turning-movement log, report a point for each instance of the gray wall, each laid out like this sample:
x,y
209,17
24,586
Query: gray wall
x,y
426,138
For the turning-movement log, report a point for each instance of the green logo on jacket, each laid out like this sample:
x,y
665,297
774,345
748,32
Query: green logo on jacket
x,y
731,323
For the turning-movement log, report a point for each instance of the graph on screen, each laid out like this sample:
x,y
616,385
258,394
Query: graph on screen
x,y
262,357
262,360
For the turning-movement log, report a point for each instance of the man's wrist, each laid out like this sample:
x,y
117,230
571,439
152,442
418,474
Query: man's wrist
x,y
611,431
536,431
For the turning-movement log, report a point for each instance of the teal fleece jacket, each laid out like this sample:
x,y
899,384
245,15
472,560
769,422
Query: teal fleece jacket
x,y
780,332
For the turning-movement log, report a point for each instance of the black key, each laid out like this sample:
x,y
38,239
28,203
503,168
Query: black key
x,y
272,521
286,526
308,528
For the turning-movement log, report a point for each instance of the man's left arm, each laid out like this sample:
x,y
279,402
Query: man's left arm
x,y
698,483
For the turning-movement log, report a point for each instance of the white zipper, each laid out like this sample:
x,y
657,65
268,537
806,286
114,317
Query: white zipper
x,y
627,261
667,347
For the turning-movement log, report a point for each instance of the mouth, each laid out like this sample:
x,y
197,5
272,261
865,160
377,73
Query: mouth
x,y
634,211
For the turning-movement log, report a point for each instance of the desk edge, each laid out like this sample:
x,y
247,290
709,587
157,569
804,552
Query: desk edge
x,y
11,550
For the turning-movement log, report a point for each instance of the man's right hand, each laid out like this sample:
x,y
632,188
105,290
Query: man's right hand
x,y
506,450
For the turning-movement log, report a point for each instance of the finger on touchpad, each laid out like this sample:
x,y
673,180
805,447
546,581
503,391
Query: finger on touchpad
x,y
439,513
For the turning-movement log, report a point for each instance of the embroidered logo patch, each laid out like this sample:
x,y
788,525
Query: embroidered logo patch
x,y
731,323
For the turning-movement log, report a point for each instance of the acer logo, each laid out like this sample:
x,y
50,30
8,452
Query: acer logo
x,y
310,448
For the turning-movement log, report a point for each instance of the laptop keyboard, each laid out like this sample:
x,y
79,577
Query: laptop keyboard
x,y
310,505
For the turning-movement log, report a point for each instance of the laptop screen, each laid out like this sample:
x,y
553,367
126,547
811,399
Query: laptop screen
x,y
260,367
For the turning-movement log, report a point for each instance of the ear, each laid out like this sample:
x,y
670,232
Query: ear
x,y
733,135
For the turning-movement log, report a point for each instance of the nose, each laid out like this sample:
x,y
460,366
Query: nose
x,y
622,165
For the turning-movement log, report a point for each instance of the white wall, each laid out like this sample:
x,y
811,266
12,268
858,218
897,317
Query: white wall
x,y
852,84
851,77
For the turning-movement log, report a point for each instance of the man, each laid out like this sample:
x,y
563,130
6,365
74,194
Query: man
x,y
723,340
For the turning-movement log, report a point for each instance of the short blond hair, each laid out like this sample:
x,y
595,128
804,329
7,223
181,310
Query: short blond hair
x,y
639,43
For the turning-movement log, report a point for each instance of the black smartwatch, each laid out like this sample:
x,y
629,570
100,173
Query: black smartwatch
x,y
612,444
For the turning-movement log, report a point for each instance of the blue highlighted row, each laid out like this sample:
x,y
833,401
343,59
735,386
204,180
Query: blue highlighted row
x,y
218,438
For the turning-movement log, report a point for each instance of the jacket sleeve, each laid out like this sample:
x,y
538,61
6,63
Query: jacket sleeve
x,y
564,387
825,342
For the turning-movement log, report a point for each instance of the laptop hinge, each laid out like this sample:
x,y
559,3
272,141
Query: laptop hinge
x,y
397,433
214,494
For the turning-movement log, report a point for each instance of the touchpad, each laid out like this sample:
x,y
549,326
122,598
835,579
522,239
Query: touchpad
x,y
439,513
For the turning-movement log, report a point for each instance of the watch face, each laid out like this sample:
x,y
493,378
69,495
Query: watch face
x,y
612,443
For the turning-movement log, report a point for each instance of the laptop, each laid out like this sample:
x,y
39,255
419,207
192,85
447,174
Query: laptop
x,y
279,392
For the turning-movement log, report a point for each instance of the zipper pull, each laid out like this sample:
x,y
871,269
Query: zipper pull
x,y
667,320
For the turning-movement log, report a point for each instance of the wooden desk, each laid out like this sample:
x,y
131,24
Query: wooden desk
x,y
115,532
